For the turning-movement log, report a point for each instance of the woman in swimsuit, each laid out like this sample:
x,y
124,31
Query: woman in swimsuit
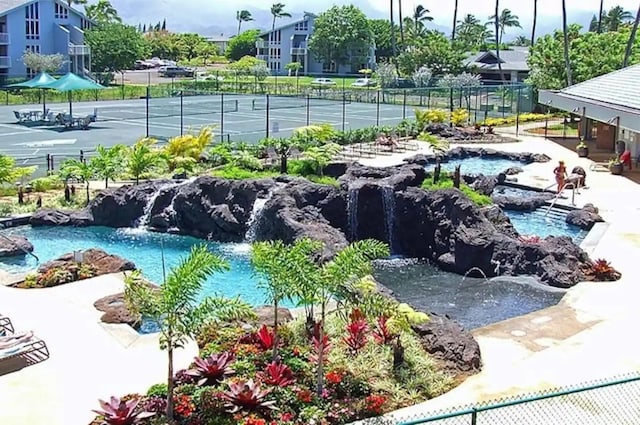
x,y
561,174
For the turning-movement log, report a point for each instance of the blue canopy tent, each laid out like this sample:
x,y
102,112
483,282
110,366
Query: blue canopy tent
x,y
37,82
70,83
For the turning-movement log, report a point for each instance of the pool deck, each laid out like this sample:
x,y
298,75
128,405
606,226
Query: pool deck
x,y
589,335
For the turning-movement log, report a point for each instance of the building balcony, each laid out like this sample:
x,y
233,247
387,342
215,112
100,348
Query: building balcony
x,y
79,50
5,61
298,51
4,38
263,57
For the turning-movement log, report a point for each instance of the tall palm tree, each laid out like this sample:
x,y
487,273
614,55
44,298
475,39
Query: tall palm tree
x,y
243,16
400,23
455,20
600,16
506,19
102,11
393,35
420,15
535,21
632,40
565,32
496,24
616,17
277,11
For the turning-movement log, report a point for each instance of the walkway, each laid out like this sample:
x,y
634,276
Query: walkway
x,y
591,333
89,360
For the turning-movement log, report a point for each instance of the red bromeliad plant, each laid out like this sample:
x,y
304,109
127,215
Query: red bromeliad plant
x,y
382,333
213,369
530,239
247,395
357,329
601,270
374,403
278,374
266,338
117,411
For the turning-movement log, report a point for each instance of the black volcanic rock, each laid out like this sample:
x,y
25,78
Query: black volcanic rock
x,y
52,217
14,246
585,217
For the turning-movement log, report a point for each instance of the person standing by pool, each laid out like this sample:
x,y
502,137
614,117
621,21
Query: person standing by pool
x,y
561,174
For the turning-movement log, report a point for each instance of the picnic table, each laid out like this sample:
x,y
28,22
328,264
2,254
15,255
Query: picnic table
x,y
28,115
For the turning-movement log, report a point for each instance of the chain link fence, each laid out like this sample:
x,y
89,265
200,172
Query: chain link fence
x,y
603,402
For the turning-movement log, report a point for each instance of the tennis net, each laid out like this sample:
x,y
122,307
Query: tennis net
x,y
295,102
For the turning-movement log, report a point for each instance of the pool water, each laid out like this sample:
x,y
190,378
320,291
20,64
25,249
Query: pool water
x,y
479,165
472,302
144,249
540,223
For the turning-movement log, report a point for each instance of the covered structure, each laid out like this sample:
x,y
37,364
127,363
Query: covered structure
x,y
610,103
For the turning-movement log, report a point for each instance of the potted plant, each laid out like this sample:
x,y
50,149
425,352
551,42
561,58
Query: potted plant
x,y
582,149
615,166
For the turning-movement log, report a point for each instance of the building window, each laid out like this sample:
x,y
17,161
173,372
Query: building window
x,y
61,12
275,37
302,26
85,24
32,21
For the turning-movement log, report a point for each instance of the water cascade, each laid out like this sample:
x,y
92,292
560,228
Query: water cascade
x,y
145,218
256,212
475,269
389,207
352,211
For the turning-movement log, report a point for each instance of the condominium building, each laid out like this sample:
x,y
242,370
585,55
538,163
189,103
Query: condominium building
x,y
289,43
42,26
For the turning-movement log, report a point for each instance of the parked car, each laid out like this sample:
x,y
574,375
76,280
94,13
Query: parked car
x,y
205,76
175,71
139,64
323,82
364,82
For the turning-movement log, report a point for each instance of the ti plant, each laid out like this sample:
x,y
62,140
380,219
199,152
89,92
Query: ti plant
x,y
117,411
357,328
213,369
247,395
266,338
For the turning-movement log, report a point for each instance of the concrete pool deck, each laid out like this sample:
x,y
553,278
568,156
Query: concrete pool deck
x,y
589,335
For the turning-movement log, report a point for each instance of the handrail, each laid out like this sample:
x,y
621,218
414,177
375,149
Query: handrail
x,y
19,247
555,199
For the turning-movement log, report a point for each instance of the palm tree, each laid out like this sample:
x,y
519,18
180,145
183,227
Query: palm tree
x,y
243,16
600,16
102,11
400,23
616,17
173,306
632,40
505,20
521,40
142,158
393,35
420,15
277,11
535,21
455,20
496,24
565,31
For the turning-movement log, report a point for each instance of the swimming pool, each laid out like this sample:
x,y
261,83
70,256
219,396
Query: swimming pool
x,y
144,249
472,302
540,223
489,166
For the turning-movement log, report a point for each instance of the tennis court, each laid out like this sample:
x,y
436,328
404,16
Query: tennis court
x,y
248,118
234,117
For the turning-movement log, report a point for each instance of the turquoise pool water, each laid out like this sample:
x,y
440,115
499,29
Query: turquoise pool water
x,y
479,165
143,248
543,224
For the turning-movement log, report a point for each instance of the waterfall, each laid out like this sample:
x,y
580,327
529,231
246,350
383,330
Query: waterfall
x,y
256,213
352,211
389,207
145,218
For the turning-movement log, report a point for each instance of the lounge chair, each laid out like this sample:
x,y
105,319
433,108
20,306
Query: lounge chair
x,y
6,327
599,166
21,116
20,350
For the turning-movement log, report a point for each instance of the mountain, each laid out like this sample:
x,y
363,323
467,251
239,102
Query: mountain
x,y
215,18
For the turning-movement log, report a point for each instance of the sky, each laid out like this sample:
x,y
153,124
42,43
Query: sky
x,y
201,15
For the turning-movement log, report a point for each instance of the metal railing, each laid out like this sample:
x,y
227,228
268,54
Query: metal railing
x,y
5,38
79,50
5,61
606,402
12,242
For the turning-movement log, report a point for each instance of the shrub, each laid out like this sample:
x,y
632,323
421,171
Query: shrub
x,y
157,390
446,182
43,184
236,173
511,120
301,167
459,117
